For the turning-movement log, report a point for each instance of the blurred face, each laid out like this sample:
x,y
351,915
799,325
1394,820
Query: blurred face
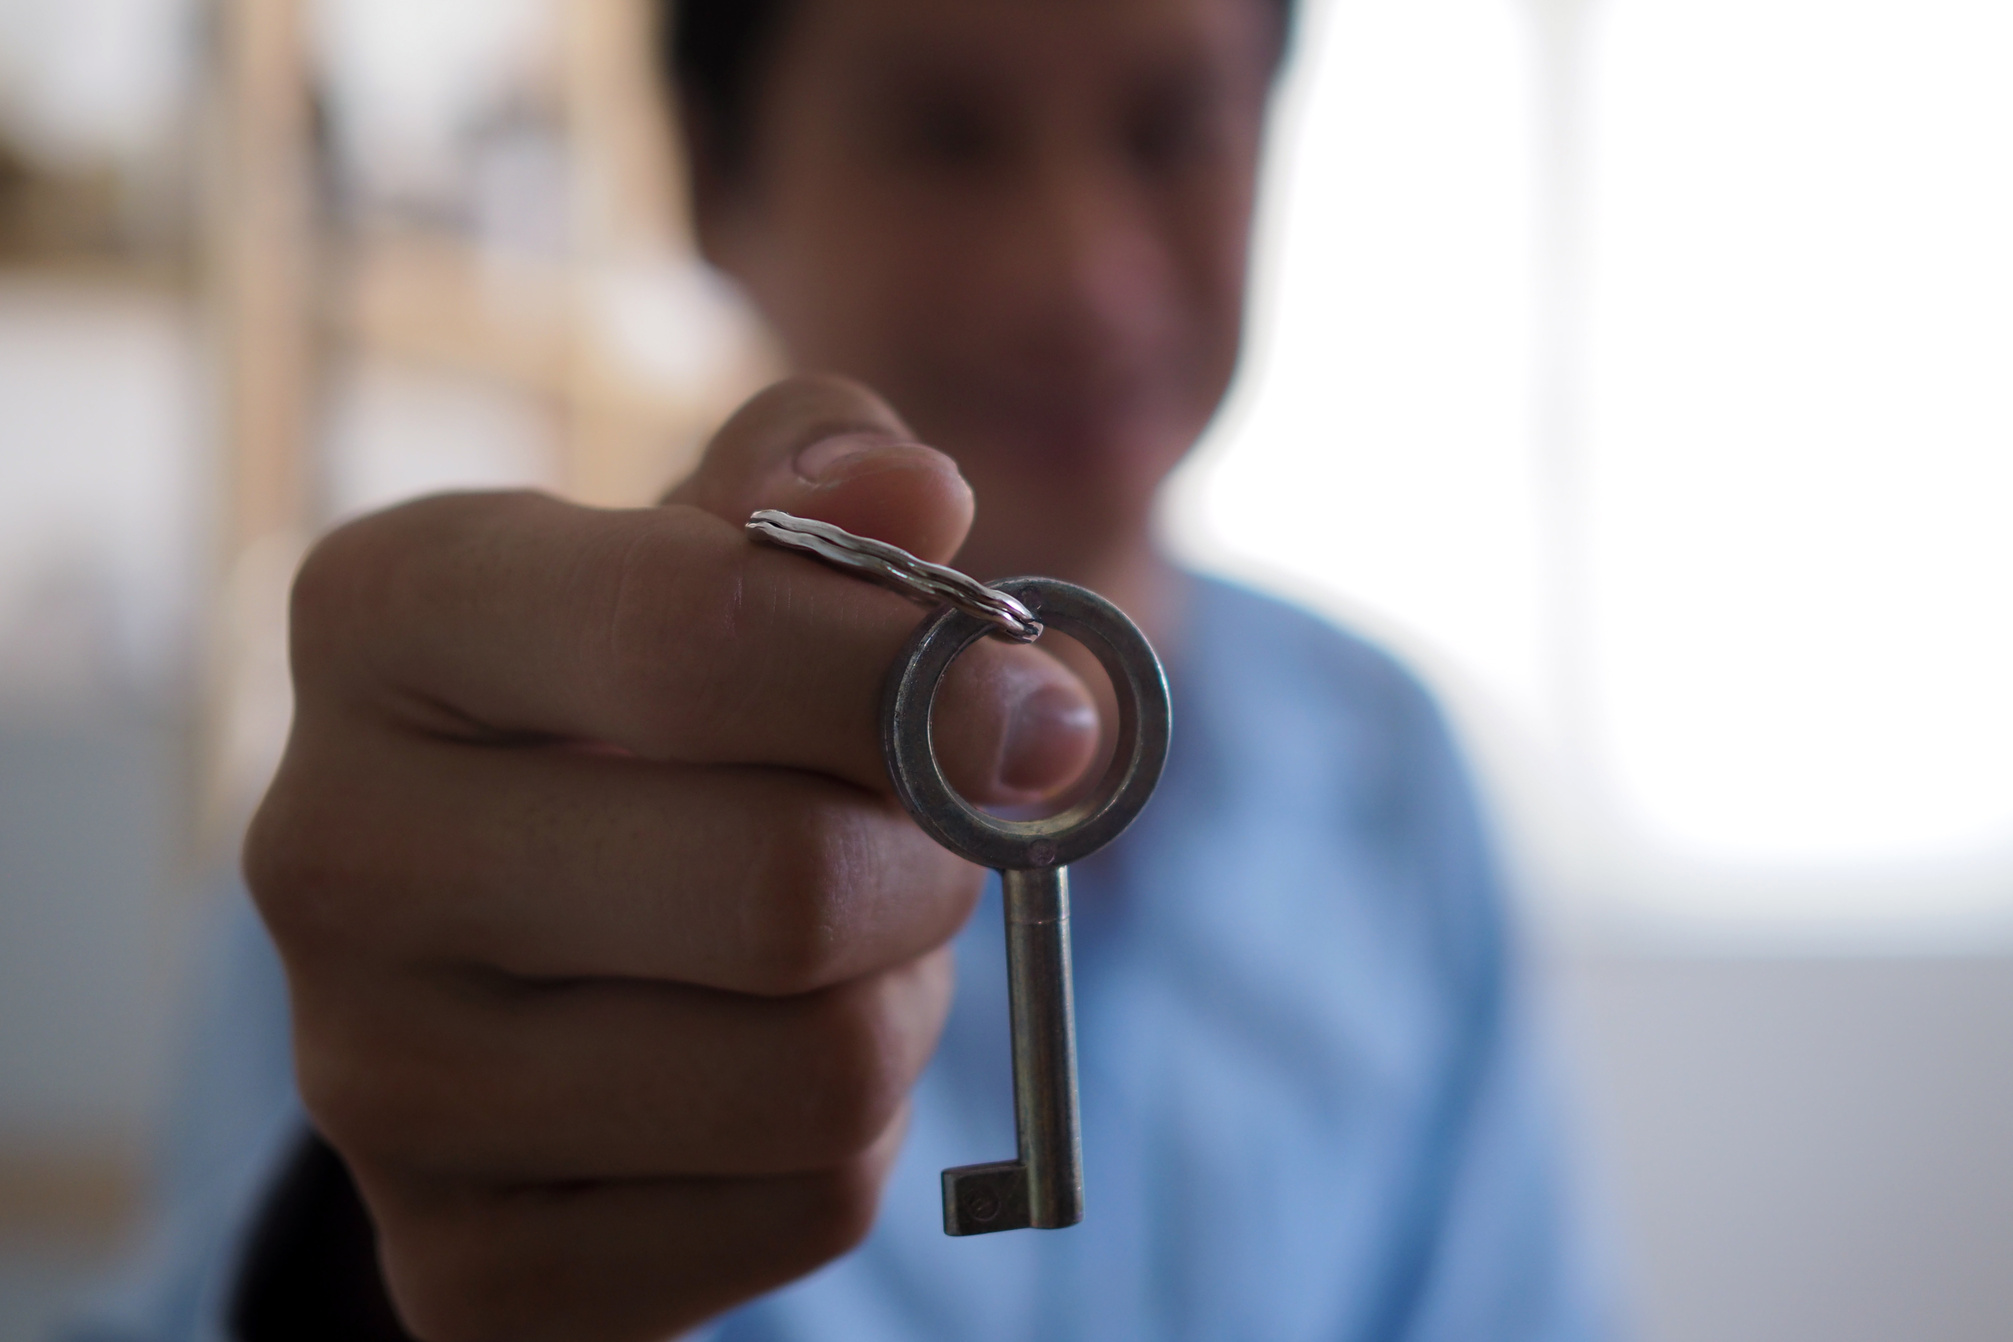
x,y
1024,223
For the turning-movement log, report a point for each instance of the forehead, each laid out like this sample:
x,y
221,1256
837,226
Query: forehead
x,y
1029,42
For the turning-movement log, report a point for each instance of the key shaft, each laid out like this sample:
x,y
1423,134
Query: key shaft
x,y
1043,1188
1043,1013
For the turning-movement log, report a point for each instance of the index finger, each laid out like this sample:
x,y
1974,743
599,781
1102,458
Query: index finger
x,y
661,631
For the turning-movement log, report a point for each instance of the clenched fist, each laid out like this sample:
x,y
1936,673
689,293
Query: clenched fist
x,y
612,957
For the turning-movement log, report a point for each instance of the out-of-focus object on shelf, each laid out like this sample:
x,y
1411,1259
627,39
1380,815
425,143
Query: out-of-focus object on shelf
x,y
485,196
533,233
94,130
265,264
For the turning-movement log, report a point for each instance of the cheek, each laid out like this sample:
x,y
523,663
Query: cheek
x,y
830,272
831,301
891,300
1210,280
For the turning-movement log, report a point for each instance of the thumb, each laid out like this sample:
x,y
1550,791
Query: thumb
x,y
825,447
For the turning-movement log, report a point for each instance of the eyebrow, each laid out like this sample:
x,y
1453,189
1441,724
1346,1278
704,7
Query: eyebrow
x,y
903,69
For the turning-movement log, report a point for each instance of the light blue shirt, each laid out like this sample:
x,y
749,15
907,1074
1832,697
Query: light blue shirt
x,y
1311,1105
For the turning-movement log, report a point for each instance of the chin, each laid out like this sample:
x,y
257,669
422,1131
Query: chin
x,y
1084,449
1071,456
1066,496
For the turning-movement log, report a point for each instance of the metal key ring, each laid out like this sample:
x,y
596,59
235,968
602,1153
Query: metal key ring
x,y
1136,762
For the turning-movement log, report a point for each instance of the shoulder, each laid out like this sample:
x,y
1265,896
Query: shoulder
x,y
1318,767
1317,735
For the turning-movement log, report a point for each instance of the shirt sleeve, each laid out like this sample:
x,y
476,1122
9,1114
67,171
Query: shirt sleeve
x,y
236,1124
1509,1248
1515,1256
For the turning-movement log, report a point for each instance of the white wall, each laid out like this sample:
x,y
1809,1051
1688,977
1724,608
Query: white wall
x,y
1804,1149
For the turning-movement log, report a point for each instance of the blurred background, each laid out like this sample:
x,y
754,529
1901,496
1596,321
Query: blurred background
x,y
1649,358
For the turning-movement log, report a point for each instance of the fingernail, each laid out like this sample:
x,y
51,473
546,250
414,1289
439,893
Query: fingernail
x,y
1050,731
824,457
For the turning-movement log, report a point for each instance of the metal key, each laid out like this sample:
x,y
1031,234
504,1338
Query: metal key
x,y
1043,1186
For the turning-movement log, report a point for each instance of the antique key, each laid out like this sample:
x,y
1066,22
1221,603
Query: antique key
x,y
1043,1186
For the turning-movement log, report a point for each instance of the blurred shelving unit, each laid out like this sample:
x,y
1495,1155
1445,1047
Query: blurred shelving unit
x,y
612,328
277,271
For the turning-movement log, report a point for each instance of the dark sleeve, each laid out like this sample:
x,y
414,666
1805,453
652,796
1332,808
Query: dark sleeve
x,y
311,1273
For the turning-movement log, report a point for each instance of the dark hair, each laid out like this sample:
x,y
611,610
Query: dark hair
x,y
711,54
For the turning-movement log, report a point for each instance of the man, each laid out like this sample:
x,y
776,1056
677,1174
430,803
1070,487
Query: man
x,y
622,989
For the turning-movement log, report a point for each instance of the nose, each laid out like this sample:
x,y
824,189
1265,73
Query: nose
x,y
1085,260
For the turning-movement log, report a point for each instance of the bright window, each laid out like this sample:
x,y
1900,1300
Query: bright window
x,y
1646,368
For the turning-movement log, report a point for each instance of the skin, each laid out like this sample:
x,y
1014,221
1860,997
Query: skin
x,y
612,958
1026,226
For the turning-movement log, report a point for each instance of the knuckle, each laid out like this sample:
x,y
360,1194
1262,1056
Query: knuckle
x,y
286,871
370,1092
861,1073
305,882
673,605
339,575
389,568
323,583
798,927
454,1299
445,1280
268,858
340,1096
843,1203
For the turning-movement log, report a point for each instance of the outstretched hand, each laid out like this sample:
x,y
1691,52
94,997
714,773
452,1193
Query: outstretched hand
x,y
612,958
